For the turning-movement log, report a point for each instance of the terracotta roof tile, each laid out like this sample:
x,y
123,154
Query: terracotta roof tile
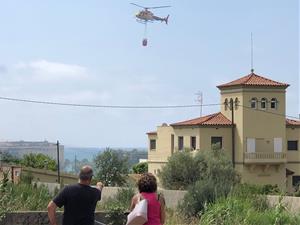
x,y
210,120
254,80
290,122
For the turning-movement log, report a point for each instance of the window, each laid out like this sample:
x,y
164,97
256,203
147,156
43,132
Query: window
x,y
263,103
277,144
193,143
152,144
236,103
296,180
292,145
251,145
216,143
253,103
226,104
273,103
180,143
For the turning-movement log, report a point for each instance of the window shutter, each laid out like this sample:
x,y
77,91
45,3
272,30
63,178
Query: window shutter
x,y
250,145
277,144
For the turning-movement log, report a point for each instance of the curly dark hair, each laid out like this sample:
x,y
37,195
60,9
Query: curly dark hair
x,y
147,183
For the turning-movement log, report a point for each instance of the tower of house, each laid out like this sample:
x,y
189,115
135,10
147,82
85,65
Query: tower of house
x,y
260,127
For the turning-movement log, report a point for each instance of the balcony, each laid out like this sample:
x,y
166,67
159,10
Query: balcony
x,y
264,158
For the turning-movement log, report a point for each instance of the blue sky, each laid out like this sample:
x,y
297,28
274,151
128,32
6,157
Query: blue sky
x,y
90,52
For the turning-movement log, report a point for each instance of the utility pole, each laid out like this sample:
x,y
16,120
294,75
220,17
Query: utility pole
x,y
75,161
58,165
200,100
232,132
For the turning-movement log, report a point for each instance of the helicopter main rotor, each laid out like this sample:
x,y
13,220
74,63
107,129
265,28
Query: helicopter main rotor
x,y
146,8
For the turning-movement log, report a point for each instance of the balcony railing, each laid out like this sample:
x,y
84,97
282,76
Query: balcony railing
x,y
265,157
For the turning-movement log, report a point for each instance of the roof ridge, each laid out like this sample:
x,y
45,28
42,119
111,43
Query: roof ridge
x,y
250,76
203,119
268,79
210,117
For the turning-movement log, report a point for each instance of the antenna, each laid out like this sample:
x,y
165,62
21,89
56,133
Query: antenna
x,y
200,100
252,69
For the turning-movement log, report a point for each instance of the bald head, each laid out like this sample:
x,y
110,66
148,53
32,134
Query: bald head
x,y
86,173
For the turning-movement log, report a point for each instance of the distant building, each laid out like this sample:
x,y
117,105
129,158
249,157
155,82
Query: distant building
x,y
13,173
262,143
21,148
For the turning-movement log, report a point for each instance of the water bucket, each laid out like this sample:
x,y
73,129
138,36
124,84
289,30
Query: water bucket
x,y
145,42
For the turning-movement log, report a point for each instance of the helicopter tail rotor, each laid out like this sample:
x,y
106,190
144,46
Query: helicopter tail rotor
x,y
167,19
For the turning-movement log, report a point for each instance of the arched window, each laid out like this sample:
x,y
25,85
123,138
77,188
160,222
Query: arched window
x,y
236,103
263,103
254,103
226,104
231,103
274,103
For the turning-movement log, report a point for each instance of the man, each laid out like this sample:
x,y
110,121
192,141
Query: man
x,y
79,201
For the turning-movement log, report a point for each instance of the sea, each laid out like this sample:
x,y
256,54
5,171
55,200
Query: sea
x,y
75,157
81,153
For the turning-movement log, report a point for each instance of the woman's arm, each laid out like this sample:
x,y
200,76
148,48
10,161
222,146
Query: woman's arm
x,y
162,209
133,202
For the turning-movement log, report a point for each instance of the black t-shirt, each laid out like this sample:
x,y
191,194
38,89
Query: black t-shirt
x,y
79,203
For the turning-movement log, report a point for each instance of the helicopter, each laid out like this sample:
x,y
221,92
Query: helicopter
x,y
145,16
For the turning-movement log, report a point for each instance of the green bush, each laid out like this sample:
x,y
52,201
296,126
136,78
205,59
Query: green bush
x,y
180,171
216,179
39,161
117,206
245,211
140,168
23,197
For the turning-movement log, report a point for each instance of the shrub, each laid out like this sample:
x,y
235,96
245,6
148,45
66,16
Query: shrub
x,y
217,178
245,211
118,206
39,161
23,197
140,168
180,171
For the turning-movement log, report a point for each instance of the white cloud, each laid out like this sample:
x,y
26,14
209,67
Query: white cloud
x,y
45,71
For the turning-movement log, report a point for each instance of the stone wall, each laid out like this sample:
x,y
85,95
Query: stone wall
x,y
292,204
172,197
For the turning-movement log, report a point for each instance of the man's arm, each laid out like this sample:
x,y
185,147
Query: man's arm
x,y
51,212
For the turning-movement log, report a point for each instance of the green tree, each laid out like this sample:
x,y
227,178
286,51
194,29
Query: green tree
x,y
180,171
9,158
216,179
39,161
140,168
112,167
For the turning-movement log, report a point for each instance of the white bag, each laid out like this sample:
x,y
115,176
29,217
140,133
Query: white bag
x,y
138,216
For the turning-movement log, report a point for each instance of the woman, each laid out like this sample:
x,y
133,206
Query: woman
x,y
147,186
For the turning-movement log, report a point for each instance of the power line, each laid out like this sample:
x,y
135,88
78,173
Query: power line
x,y
104,106
135,106
264,111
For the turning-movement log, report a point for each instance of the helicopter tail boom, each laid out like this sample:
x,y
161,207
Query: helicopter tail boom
x,y
166,19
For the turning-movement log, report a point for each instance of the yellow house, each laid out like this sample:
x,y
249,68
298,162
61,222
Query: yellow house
x,y
251,128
